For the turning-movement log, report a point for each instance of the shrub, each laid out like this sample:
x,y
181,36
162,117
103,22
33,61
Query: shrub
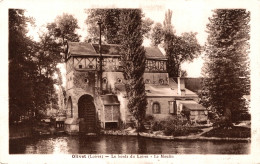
x,y
175,126
157,125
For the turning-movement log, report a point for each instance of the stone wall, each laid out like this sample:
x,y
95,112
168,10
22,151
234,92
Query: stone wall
x,y
164,106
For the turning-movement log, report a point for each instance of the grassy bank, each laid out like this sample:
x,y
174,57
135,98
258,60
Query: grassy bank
x,y
235,132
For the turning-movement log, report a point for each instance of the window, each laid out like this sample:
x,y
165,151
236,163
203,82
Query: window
x,y
161,81
119,80
80,66
171,107
156,108
147,81
104,80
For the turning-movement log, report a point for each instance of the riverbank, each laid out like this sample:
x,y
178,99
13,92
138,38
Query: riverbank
x,y
207,133
160,135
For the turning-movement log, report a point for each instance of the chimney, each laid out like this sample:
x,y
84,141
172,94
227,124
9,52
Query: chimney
x,y
181,86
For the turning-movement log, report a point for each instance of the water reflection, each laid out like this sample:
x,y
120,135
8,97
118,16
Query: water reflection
x,y
122,145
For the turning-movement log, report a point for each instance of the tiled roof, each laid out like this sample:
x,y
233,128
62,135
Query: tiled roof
x,y
110,49
154,53
81,48
161,90
193,106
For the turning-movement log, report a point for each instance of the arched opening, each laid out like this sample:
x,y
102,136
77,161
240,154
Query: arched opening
x,y
87,114
104,83
70,108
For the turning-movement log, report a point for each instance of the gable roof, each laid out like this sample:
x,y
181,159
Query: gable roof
x,y
80,48
154,53
87,49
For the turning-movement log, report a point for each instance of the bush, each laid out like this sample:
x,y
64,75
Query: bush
x,y
173,125
157,125
176,126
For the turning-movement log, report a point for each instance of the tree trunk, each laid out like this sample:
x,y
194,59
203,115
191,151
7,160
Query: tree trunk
x,y
227,116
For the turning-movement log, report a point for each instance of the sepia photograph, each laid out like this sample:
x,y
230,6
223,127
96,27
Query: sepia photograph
x,y
143,80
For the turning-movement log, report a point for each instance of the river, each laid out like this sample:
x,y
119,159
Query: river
x,y
66,144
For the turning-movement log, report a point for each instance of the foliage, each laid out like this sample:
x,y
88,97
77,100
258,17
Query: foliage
x,y
227,67
157,34
133,62
235,132
64,27
32,65
146,27
110,27
173,125
178,49
21,65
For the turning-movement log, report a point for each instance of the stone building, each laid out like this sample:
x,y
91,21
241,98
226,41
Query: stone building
x,y
87,108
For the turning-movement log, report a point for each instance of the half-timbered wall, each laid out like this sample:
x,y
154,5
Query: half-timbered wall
x,y
91,63
155,65
112,64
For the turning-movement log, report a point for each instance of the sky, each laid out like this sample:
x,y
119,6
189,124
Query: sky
x,y
187,17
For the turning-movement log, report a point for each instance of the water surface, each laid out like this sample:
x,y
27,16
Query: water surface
x,y
122,145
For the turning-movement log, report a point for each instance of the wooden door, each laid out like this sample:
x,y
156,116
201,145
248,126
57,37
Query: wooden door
x,y
87,114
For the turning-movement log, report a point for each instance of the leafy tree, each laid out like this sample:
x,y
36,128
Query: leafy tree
x,y
147,27
167,23
32,65
64,27
178,49
21,66
157,34
227,67
133,62
46,59
110,19
49,55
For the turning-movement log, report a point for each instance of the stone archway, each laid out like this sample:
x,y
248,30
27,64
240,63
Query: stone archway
x,y
87,114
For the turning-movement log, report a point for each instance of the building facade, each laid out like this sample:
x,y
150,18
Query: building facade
x,y
88,108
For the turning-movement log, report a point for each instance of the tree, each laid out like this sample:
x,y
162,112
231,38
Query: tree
x,y
167,23
110,19
178,49
133,62
50,48
33,64
147,27
64,27
46,59
21,66
157,34
227,67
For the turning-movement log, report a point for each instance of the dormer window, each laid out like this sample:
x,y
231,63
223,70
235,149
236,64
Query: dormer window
x,y
147,81
104,80
161,81
119,80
